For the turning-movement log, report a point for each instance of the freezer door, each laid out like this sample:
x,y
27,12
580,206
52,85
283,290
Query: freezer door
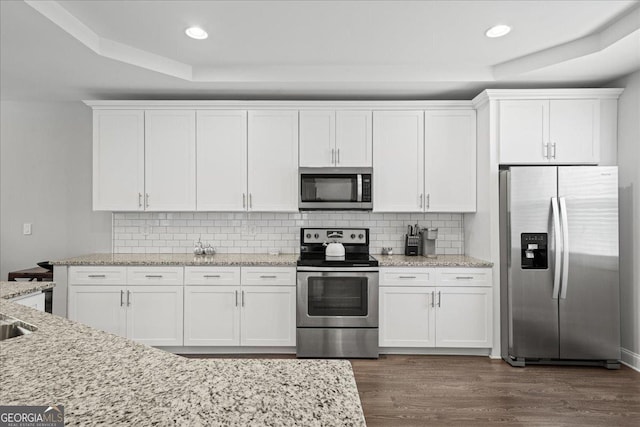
x,y
589,299
533,332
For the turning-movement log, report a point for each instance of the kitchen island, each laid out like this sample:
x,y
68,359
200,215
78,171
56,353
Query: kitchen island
x,y
104,379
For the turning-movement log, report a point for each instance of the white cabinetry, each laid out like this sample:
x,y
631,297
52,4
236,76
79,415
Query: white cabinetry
x,y
398,162
248,306
34,300
335,138
221,160
170,160
273,160
449,307
542,131
425,161
450,161
118,160
141,303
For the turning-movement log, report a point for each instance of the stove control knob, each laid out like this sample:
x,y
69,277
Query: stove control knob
x,y
353,236
316,235
308,235
361,236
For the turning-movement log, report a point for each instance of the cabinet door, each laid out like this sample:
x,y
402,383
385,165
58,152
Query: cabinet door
x,y
118,160
101,307
155,314
450,161
407,317
354,145
524,131
463,317
222,160
398,162
575,130
170,160
273,161
212,315
317,138
268,316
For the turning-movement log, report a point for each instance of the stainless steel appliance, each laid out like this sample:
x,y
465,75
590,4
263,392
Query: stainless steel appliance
x,y
337,300
335,188
559,265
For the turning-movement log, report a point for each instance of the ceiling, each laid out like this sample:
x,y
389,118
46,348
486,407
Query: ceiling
x,y
72,50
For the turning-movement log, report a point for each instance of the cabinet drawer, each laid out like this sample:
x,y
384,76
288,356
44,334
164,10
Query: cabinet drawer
x,y
276,276
407,276
464,277
212,276
155,275
99,275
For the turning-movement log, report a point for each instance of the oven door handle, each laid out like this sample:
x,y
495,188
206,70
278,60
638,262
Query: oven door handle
x,y
338,269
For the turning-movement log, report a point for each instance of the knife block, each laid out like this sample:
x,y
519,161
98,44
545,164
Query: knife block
x,y
411,245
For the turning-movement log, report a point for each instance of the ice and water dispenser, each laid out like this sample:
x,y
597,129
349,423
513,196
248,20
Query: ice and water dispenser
x,y
533,248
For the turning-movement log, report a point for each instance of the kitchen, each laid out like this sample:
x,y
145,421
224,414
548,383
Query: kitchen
x,y
156,227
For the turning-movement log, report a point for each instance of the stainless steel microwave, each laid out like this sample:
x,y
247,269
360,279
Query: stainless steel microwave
x,y
335,189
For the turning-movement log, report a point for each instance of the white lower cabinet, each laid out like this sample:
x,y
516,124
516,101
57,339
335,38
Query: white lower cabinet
x,y
151,313
453,309
232,306
34,300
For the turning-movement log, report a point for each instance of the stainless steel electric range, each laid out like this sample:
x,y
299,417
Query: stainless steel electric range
x,y
337,300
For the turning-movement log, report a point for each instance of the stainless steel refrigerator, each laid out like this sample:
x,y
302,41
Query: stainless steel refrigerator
x,y
559,265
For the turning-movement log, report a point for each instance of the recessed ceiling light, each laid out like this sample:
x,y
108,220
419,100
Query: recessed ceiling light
x,y
498,31
196,33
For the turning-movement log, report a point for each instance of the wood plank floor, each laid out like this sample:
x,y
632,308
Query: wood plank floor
x,y
398,390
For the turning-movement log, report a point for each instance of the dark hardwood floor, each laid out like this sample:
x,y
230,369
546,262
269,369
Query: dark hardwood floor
x,y
399,390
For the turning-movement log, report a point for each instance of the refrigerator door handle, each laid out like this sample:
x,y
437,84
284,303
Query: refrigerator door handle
x,y
565,248
558,252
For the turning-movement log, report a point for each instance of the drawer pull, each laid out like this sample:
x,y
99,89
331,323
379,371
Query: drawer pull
x,y
97,276
268,277
153,276
406,277
211,276
464,277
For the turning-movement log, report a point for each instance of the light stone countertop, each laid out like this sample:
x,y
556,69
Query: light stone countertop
x,y
10,290
439,261
260,260
182,259
104,379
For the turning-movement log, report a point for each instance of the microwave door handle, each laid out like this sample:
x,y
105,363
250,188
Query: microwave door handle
x,y
359,199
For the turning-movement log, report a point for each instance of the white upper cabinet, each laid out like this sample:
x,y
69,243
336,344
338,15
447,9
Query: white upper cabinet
x,y
273,160
170,160
317,138
450,161
398,150
222,160
544,131
331,138
118,160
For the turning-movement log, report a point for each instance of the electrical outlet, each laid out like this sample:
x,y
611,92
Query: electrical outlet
x,y
26,228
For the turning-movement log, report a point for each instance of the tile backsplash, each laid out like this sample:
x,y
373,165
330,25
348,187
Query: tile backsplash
x,y
253,232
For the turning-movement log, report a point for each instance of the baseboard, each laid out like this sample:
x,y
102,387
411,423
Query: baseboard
x,y
229,350
436,351
630,359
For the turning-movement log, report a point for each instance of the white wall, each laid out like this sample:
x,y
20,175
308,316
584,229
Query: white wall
x,y
45,179
629,182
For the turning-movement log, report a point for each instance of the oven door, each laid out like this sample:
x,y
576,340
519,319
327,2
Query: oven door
x,y
330,297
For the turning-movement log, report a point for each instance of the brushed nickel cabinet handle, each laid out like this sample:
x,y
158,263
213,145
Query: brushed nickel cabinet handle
x,y
242,298
154,276
464,277
139,200
250,201
268,277
338,157
428,201
97,276
420,202
121,298
433,299
333,156
146,199
236,293
545,151
439,299
128,298
553,150
211,276
244,201
406,277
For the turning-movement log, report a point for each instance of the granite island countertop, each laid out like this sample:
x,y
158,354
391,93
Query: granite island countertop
x,y
9,290
104,379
